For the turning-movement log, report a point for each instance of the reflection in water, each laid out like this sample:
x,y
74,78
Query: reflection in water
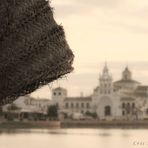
x,y
74,138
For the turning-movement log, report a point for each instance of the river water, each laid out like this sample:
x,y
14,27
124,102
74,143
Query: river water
x,y
75,138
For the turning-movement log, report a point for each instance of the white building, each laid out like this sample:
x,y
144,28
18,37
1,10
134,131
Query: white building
x,y
123,99
105,102
29,104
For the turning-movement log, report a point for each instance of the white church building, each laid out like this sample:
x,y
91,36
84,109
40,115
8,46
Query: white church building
x,y
105,101
123,99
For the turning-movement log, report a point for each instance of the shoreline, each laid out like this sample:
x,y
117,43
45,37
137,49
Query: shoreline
x,y
30,124
105,124
73,124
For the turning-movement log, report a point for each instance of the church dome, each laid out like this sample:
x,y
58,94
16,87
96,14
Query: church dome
x,y
126,82
126,75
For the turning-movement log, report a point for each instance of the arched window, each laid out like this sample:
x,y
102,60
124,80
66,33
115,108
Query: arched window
x,y
107,110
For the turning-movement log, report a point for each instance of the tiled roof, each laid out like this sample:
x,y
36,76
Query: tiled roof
x,y
59,88
141,91
141,94
142,88
126,81
127,99
78,99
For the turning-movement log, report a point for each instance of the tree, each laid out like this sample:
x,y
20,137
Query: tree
x,y
12,111
1,111
91,114
53,111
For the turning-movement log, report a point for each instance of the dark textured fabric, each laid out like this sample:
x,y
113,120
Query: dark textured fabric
x,y
33,49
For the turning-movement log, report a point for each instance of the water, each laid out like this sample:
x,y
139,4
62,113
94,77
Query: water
x,y
75,138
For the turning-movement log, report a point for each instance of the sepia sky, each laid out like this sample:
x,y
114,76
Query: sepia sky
x,y
115,31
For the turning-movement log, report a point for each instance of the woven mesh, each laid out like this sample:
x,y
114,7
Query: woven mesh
x,y
33,48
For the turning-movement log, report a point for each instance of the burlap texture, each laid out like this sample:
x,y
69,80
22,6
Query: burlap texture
x,y
33,48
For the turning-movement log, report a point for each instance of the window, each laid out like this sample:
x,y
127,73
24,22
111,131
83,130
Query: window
x,y
66,105
54,93
123,113
107,110
128,105
123,105
128,111
71,105
77,105
133,105
59,93
87,105
57,105
126,76
147,111
82,104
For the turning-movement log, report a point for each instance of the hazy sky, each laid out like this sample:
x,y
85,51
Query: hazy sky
x,y
115,31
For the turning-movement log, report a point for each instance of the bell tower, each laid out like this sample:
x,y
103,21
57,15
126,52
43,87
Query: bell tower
x,y
105,80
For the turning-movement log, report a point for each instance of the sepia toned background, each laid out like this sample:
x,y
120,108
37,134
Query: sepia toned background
x,y
98,31
115,31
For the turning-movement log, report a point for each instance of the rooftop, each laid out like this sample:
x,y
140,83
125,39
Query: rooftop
x,y
127,81
59,88
78,98
127,99
142,88
141,91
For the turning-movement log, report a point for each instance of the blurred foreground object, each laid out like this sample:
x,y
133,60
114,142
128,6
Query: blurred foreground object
x,y
33,48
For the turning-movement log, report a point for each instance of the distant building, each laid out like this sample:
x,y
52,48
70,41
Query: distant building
x,y
105,102
123,99
126,84
29,104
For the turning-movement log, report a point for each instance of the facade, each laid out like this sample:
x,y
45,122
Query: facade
x,y
70,105
105,102
29,104
123,99
78,105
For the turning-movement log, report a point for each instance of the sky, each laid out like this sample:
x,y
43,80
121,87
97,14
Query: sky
x,y
99,31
